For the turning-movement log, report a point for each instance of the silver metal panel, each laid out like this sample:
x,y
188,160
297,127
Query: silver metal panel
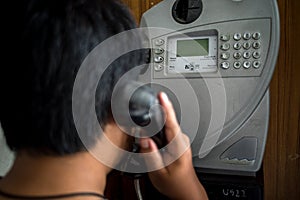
x,y
240,95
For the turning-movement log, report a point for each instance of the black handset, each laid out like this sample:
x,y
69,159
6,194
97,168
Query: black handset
x,y
144,109
137,108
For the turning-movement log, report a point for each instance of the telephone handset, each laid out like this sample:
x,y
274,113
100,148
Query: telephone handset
x,y
144,109
137,111
146,117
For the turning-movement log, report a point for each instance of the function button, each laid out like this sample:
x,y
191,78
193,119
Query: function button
x,y
246,45
225,65
246,64
256,54
225,38
159,42
158,67
247,55
237,65
225,46
237,46
256,64
237,36
256,35
158,50
225,56
158,59
237,55
247,36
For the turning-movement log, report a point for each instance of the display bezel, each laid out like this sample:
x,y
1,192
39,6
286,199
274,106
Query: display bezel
x,y
192,63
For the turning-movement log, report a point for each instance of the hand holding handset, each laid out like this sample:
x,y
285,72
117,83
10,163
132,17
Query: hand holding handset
x,y
138,111
144,109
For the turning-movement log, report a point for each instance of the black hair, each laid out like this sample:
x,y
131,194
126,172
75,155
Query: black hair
x,y
56,36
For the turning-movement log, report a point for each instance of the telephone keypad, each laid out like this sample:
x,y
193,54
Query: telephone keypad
x,y
256,36
242,49
246,45
256,45
246,55
256,64
225,65
247,36
237,46
225,46
225,56
256,55
246,64
237,65
237,36
237,55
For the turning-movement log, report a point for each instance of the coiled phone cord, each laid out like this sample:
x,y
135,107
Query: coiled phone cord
x,y
137,180
136,132
138,189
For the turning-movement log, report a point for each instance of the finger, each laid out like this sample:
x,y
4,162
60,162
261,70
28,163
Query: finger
x,y
171,126
151,155
147,145
179,145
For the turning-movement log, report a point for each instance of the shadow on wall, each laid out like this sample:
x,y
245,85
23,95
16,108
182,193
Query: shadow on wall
x,y
6,156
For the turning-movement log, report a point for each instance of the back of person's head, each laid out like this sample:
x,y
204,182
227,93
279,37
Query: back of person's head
x,y
36,96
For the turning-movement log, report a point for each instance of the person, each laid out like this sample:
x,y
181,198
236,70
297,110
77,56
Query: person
x,y
36,106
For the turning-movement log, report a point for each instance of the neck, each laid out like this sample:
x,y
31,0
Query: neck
x,y
50,175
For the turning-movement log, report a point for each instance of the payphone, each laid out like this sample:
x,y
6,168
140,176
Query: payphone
x,y
223,52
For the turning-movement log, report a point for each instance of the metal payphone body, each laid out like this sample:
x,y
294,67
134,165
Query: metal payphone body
x,y
226,51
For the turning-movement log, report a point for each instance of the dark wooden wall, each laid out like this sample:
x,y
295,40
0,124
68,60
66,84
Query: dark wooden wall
x,y
138,7
282,156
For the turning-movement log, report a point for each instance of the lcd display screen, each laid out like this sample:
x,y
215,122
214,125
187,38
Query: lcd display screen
x,y
195,47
